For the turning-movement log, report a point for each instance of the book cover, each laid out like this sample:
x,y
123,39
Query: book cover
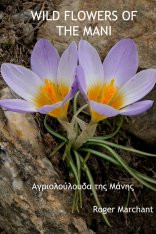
x,y
77,116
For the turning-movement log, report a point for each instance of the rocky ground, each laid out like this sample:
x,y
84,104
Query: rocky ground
x,y
25,145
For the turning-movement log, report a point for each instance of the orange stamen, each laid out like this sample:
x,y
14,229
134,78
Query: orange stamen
x,y
108,92
50,93
108,95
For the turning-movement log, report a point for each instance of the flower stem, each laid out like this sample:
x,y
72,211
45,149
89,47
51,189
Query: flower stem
x,y
77,175
75,203
78,163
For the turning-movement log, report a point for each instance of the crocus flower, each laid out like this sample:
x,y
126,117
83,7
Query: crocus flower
x,y
46,88
113,88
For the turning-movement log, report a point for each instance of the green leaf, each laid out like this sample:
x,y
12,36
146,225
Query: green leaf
x,y
115,162
91,141
52,132
112,134
91,181
77,175
57,148
128,169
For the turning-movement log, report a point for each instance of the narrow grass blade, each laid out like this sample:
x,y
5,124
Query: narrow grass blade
x,y
128,169
102,155
91,181
112,134
52,132
57,148
115,162
91,141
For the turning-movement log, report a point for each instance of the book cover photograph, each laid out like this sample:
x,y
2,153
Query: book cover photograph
x,y
77,117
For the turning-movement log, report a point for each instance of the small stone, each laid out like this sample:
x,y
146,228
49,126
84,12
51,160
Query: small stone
x,y
81,226
28,33
17,184
22,17
37,8
1,15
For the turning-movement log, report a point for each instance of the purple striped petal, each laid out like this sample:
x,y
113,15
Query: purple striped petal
x,y
72,92
136,108
47,108
45,60
81,81
121,63
91,64
103,109
17,105
67,65
138,86
21,80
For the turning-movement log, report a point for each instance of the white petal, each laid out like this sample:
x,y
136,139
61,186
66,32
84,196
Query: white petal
x,y
138,86
17,105
121,63
21,80
91,64
136,108
44,60
67,65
